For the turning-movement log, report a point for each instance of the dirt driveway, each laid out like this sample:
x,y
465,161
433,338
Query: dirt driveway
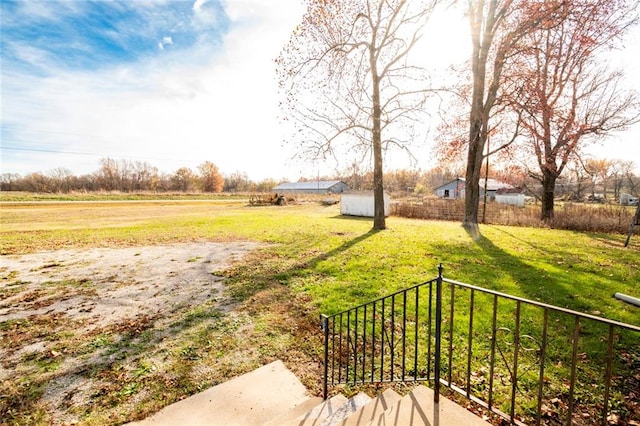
x,y
80,295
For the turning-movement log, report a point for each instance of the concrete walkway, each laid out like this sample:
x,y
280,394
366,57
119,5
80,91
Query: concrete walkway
x,y
273,395
251,399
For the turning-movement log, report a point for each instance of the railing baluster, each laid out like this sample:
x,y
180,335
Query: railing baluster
x,y
348,361
415,340
404,333
514,377
492,361
364,343
470,343
373,343
436,390
355,349
382,328
333,350
449,372
429,335
574,361
543,354
325,330
607,383
340,353
393,334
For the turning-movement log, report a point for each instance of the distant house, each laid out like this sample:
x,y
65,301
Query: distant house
x,y
312,187
628,200
455,188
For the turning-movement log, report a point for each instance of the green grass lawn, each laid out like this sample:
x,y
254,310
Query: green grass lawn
x,y
316,261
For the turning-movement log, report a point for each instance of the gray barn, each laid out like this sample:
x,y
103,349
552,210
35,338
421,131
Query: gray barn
x,y
312,187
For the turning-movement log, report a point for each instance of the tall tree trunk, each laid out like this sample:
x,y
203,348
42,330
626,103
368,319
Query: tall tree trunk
x,y
379,221
548,190
472,187
477,139
482,39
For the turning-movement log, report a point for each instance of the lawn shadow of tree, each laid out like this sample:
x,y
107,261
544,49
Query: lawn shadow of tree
x,y
534,283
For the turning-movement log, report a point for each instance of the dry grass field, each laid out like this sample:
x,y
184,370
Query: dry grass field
x,y
109,311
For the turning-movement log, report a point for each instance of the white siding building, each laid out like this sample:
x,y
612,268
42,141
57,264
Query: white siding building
x,y
362,204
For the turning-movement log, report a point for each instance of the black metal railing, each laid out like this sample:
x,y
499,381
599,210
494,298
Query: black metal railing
x,y
521,359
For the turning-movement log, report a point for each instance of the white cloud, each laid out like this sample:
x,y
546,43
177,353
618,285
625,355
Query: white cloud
x,y
166,41
197,6
45,10
166,110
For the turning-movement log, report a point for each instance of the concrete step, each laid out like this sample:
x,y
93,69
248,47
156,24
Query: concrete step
x,y
373,409
318,414
295,412
352,405
247,400
416,409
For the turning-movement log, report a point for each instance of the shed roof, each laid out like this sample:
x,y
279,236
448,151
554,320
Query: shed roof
x,y
310,185
492,184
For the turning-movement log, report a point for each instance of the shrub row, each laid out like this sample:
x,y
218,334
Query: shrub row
x,y
569,216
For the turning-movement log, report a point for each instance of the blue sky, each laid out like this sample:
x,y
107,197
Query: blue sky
x,y
174,83
170,82
95,34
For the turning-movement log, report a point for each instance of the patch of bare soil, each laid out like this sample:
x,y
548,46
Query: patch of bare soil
x,y
44,296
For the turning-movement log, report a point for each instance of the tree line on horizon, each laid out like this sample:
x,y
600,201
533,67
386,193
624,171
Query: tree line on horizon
x,y
599,178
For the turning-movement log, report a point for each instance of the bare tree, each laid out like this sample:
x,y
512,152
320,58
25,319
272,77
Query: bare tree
x,y
579,179
9,181
348,81
144,176
237,182
631,181
598,169
616,177
108,177
567,98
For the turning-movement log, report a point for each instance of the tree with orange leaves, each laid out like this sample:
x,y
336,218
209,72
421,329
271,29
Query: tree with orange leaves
x,y
348,84
568,97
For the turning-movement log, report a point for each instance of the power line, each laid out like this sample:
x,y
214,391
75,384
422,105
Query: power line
x,y
56,151
52,151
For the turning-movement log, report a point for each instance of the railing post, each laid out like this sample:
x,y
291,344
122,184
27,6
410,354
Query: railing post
x,y
436,385
325,382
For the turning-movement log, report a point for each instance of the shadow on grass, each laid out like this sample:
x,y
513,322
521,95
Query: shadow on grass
x,y
312,263
536,284
263,270
352,218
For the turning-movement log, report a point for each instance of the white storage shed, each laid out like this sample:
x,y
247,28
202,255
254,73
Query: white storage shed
x,y
361,204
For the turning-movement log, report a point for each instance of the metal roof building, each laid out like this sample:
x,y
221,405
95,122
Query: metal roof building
x,y
313,187
455,188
